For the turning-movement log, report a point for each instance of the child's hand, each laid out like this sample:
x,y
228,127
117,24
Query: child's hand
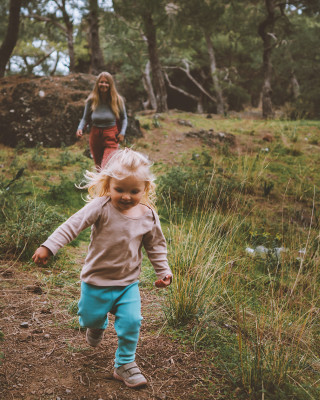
x,y
162,283
41,255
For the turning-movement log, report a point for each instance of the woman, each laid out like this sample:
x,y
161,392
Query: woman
x,y
105,108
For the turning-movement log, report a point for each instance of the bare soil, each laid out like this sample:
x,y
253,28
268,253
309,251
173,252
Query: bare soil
x,y
45,358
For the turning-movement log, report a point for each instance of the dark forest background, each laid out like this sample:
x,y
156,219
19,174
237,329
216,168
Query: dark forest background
x,y
196,55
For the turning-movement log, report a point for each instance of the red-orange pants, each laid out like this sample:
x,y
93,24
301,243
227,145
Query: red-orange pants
x,y
103,142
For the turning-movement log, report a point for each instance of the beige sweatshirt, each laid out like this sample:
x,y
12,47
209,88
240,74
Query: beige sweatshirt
x,y
115,251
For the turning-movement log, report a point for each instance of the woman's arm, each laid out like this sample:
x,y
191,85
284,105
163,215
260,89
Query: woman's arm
x,y
85,119
123,122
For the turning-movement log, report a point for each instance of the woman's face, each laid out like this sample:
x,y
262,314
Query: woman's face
x,y
103,85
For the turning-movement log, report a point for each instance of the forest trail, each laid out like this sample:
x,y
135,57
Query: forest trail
x,y
44,357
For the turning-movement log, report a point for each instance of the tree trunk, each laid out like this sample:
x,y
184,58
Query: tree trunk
x,y
55,65
200,109
12,34
265,28
72,63
157,75
147,84
213,69
69,33
97,61
294,85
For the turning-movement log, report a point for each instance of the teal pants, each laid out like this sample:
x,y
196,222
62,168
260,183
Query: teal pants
x,y
122,301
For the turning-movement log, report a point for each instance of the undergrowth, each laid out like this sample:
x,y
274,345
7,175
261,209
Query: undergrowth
x,y
254,313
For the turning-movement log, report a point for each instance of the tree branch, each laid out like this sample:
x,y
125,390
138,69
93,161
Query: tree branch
x,y
46,19
199,86
179,89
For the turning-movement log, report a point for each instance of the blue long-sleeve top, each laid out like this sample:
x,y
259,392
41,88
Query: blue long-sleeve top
x,y
103,117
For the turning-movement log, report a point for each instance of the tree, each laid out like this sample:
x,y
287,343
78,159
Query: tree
x,y
97,61
265,29
206,15
148,15
57,15
12,34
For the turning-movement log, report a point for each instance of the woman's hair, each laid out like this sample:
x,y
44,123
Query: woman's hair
x,y
114,99
122,163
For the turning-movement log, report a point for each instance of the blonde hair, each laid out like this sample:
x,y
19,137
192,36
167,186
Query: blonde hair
x,y
122,164
114,99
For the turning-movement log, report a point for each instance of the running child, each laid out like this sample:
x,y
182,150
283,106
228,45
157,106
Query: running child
x,y
122,219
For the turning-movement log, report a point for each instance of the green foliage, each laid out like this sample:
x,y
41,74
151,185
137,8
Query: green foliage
x,y
25,225
195,187
25,222
73,307
65,192
237,97
197,247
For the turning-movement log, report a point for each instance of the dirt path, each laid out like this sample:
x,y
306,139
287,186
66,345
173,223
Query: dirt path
x,y
45,358
44,355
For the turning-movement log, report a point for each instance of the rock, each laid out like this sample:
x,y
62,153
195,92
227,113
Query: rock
x,y
250,250
184,122
24,325
211,138
261,250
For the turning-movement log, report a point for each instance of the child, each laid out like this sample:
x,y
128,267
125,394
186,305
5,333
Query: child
x,y
122,221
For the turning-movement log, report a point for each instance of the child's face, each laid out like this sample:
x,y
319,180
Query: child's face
x,y
126,193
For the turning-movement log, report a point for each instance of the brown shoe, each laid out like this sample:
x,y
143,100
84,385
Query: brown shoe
x,y
130,374
94,336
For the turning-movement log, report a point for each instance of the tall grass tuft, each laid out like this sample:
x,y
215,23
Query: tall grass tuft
x,y
263,322
198,254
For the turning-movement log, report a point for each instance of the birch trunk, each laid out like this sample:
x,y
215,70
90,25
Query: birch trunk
x,y
147,84
213,70
265,28
157,75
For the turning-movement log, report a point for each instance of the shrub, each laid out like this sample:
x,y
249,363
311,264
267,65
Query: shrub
x,y
192,188
25,225
237,97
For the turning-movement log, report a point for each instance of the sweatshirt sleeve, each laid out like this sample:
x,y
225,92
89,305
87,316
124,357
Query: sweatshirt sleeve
x,y
123,120
155,245
86,116
70,229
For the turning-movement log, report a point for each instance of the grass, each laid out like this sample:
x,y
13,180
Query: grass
x,y
255,315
